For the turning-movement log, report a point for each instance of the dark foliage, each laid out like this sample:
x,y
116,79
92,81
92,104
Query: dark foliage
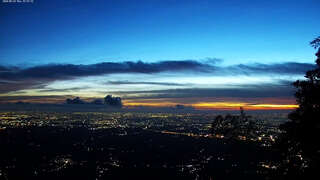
x,y
300,142
232,126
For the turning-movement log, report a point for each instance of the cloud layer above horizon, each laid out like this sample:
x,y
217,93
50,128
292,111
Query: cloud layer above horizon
x,y
175,80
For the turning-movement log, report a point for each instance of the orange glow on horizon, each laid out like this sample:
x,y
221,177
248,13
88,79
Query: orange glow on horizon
x,y
151,104
289,106
269,104
248,106
217,105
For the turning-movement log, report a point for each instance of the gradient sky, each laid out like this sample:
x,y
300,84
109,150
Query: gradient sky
x,y
157,52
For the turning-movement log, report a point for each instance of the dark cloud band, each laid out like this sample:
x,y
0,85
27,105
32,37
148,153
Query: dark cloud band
x,y
256,91
15,78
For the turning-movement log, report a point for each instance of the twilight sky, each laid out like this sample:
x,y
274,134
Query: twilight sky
x,y
209,54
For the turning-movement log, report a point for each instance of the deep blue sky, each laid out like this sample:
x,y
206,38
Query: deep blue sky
x,y
88,32
190,52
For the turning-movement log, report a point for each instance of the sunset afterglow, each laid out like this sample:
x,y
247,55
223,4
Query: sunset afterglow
x,y
217,105
149,56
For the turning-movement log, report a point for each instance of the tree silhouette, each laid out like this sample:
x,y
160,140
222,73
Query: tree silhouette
x,y
233,126
300,143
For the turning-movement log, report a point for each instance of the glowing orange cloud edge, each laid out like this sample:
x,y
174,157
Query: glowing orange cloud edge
x,y
218,105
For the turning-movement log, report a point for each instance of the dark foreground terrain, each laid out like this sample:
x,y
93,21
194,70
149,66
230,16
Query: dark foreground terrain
x,y
127,153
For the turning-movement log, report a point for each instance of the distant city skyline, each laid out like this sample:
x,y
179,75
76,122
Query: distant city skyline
x,y
207,54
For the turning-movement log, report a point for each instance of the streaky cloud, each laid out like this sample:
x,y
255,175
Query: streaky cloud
x,y
51,72
241,91
15,78
277,68
145,83
59,71
62,90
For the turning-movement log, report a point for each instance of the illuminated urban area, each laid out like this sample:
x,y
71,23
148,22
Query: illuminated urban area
x,y
159,89
105,144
